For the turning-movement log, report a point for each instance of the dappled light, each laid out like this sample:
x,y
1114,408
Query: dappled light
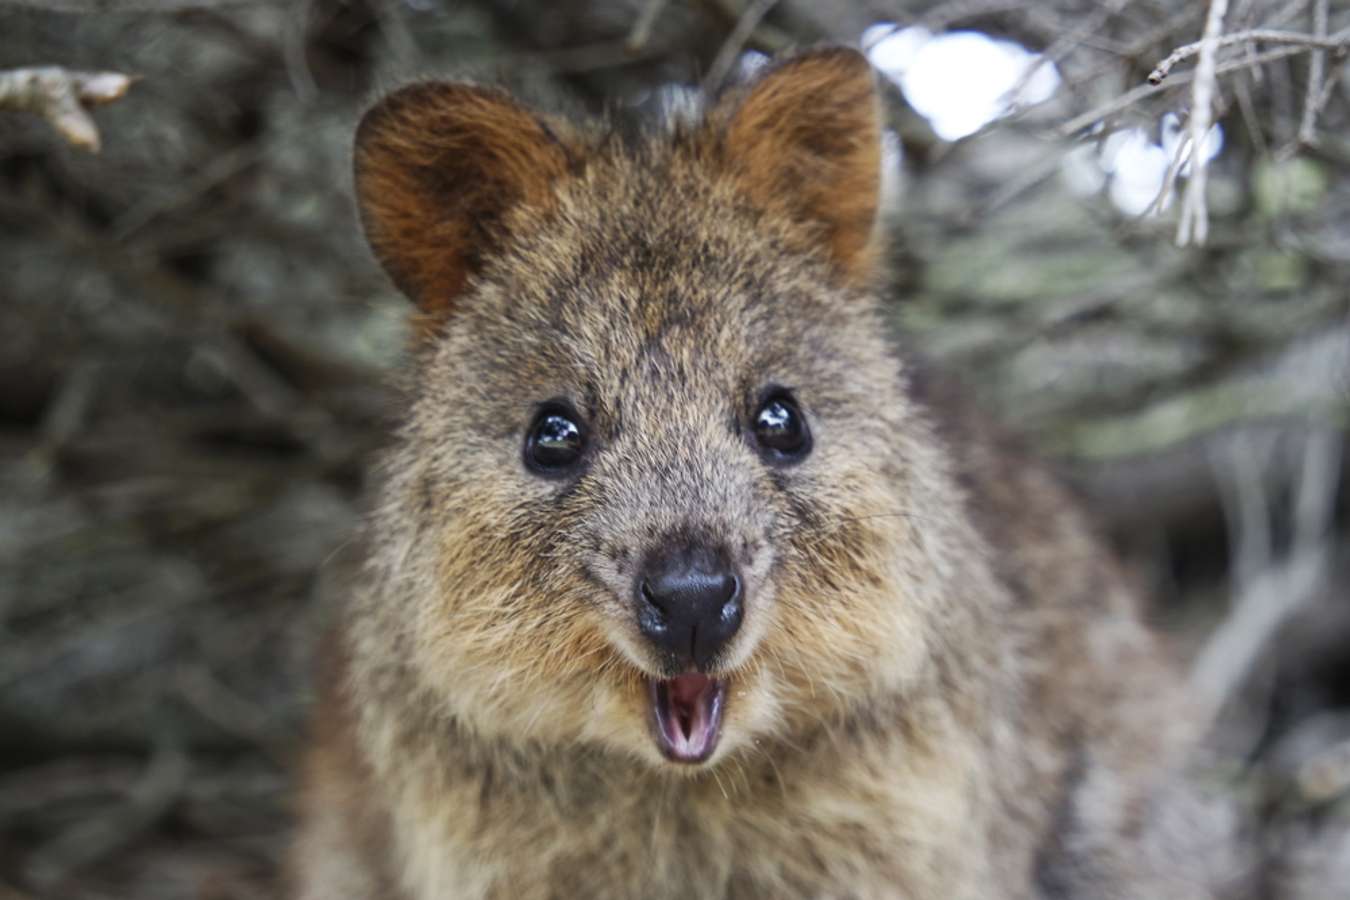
x,y
960,81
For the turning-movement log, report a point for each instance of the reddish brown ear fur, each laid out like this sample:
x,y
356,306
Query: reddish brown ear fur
x,y
806,135
437,167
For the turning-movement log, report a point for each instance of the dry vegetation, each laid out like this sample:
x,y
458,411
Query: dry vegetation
x,y
195,348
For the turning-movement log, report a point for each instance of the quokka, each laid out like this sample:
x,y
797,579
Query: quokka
x,y
682,581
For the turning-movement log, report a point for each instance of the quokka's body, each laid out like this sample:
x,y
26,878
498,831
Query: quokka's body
x,y
681,583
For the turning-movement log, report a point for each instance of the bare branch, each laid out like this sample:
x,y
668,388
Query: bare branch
x,y
1268,591
1134,95
1338,41
1315,504
1194,225
1065,45
1243,92
726,57
1179,159
61,97
1307,129
642,28
293,52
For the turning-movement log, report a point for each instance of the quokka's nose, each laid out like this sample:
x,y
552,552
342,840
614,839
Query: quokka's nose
x,y
689,603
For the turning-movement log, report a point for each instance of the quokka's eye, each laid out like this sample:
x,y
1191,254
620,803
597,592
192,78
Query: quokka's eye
x,y
781,431
555,443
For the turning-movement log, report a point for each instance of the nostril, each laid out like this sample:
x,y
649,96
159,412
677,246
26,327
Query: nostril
x,y
652,616
649,596
731,604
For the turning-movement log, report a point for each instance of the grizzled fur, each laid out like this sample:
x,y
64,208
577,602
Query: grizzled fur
x,y
941,688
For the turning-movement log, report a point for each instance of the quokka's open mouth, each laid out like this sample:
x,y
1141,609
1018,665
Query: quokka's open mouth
x,y
687,715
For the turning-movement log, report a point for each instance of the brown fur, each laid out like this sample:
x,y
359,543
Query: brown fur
x,y
435,166
941,688
823,168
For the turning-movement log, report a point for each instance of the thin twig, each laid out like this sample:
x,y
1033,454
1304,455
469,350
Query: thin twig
x,y
1315,505
398,36
947,14
1063,46
1193,227
1338,41
232,712
735,42
1134,95
62,96
642,28
1185,148
69,413
223,167
1247,508
295,55
1242,90
1013,188
1307,129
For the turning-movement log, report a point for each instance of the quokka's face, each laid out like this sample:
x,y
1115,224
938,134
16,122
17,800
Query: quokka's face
x,y
660,455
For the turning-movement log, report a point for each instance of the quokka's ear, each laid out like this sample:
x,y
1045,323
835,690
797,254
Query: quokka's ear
x,y
437,168
805,136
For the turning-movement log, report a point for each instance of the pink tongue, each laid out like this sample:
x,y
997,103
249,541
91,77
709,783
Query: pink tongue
x,y
686,690
689,715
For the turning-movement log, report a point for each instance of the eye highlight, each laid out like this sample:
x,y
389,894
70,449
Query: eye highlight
x,y
556,441
780,430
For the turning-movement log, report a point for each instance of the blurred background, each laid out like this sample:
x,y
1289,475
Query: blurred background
x,y
196,351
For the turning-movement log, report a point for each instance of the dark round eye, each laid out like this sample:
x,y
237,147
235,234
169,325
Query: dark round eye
x,y
555,443
780,430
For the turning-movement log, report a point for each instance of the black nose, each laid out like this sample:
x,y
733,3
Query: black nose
x,y
689,603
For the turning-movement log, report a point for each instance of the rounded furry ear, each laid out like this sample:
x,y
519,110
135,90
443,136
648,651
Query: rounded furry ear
x,y
438,167
805,136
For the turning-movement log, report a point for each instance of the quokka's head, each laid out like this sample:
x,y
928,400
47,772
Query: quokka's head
x,y
661,491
